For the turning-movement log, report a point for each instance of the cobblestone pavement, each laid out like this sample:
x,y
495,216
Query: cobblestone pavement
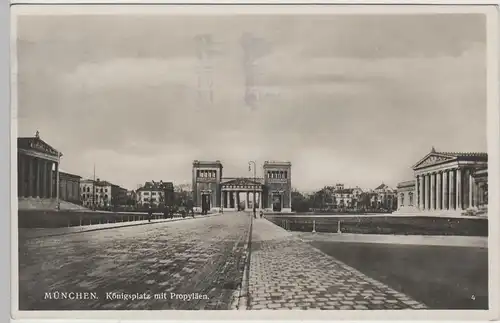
x,y
287,273
202,256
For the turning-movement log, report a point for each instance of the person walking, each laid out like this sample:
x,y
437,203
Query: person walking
x,y
150,214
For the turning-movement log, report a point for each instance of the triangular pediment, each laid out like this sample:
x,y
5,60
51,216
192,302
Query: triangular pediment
x,y
241,182
37,144
433,158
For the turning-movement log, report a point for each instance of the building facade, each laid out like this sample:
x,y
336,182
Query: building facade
x,y
384,197
212,190
153,193
37,169
450,183
406,196
277,186
344,198
69,187
207,188
101,194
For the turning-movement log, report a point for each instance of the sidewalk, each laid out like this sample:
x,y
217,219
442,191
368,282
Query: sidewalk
x,y
49,232
452,241
287,273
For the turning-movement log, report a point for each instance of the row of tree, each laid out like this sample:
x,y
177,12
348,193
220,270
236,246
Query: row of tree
x,y
324,200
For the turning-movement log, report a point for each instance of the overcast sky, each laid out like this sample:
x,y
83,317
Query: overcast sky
x,y
351,99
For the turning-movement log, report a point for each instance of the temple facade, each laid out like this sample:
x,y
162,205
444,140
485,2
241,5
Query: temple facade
x,y
272,193
446,183
37,169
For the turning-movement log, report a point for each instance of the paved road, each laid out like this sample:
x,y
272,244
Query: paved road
x,y
287,273
201,256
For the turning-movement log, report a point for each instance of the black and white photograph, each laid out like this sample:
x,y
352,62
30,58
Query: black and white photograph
x,y
247,159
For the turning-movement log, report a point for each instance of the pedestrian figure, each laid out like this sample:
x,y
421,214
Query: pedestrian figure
x,y
261,214
150,215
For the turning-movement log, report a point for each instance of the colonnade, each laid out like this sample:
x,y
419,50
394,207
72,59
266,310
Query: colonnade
x,y
448,189
231,198
37,177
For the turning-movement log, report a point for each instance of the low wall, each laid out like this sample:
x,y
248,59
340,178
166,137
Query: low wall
x,y
59,219
404,225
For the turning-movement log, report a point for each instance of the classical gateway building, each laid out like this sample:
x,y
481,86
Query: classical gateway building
x,y
271,192
446,183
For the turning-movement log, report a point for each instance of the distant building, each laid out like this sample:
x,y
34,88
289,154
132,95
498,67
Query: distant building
x,y
339,187
102,194
211,190
153,193
69,187
131,198
384,197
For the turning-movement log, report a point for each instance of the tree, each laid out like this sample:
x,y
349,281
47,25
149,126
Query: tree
x,y
299,202
364,200
322,198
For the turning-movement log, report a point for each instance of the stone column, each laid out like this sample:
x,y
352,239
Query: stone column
x,y
471,190
415,196
451,194
426,189
29,161
477,189
38,177
57,182
439,195
480,194
445,190
459,189
421,195
43,173
51,176
48,171
223,199
433,191
248,200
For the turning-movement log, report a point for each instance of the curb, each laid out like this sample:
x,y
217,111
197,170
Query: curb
x,y
121,226
243,299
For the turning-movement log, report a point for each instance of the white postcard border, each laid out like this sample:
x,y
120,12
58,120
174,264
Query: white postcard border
x,y
493,156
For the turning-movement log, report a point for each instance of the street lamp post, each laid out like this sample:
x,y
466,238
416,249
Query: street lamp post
x,y
254,179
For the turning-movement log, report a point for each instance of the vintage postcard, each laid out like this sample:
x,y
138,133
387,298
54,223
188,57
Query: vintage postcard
x,y
233,162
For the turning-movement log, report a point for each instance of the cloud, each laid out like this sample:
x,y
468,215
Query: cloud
x,y
147,108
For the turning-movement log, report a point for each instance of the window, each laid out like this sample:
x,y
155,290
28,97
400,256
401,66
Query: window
x,y
153,193
106,190
402,199
410,198
146,193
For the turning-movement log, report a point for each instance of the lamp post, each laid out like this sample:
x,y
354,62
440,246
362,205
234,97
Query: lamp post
x,y
254,179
